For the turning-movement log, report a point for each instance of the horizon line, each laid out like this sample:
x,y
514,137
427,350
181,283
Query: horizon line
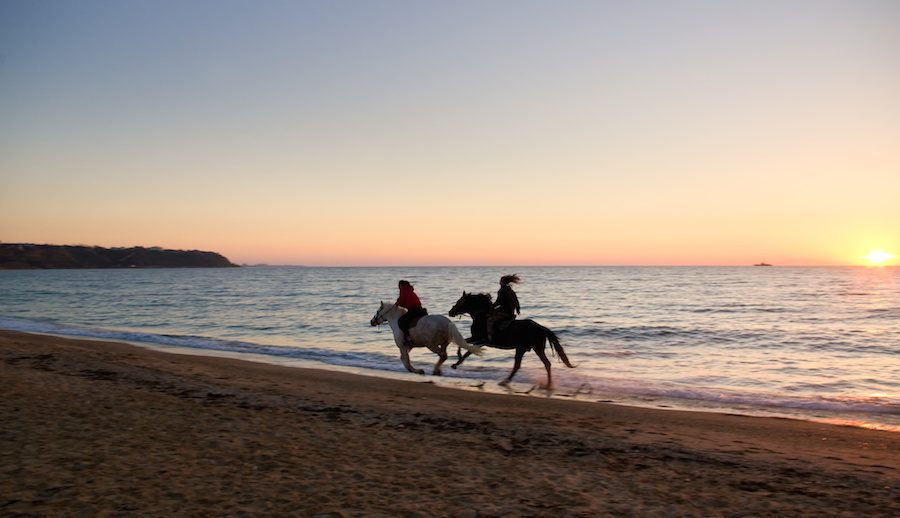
x,y
264,265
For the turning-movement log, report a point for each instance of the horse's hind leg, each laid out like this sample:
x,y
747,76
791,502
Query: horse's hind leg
x,y
462,358
520,352
442,357
543,356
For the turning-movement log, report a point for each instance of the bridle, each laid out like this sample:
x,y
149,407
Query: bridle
x,y
379,315
469,303
461,306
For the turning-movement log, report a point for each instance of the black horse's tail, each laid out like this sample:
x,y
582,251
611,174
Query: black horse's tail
x,y
557,348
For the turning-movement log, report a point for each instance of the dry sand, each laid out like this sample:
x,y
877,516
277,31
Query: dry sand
x,y
96,428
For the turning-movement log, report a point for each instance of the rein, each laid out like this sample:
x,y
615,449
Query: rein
x,y
380,316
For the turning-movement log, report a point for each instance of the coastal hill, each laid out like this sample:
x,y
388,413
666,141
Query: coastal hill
x,y
29,256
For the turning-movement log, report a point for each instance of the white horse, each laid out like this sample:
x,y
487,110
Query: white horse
x,y
432,331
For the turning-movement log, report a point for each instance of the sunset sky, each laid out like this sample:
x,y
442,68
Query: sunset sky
x,y
455,132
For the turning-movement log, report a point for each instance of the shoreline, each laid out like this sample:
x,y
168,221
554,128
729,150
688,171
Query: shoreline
x,y
517,388
96,426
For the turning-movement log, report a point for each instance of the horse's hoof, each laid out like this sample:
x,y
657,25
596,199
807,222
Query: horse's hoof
x,y
420,371
453,366
504,383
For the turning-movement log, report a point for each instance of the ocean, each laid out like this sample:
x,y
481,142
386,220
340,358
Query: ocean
x,y
817,343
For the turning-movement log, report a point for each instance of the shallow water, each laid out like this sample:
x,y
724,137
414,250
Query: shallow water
x,y
812,343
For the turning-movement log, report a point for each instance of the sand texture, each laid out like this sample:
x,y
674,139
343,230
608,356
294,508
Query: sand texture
x,y
94,428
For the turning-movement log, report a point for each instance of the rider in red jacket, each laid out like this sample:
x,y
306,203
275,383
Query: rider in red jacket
x,y
409,300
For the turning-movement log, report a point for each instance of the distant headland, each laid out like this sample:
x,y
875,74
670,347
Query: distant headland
x,y
20,256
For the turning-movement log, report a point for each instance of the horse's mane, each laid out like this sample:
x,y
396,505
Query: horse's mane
x,y
482,299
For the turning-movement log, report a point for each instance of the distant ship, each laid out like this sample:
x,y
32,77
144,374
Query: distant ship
x,y
762,264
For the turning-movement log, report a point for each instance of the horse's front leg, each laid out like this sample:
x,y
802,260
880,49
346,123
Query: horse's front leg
x,y
404,357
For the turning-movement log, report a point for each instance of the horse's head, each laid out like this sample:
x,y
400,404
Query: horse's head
x,y
459,307
469,302
383,314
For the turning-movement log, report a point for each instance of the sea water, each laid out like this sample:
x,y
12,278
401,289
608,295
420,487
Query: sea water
x,y
811,343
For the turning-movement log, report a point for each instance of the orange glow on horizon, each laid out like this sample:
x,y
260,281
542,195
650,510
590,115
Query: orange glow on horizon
x,y
878,257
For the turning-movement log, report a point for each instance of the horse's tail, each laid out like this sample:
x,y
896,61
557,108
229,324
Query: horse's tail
x,y
458,339
557,347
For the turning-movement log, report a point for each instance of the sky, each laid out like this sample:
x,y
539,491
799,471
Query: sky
x,y
501,132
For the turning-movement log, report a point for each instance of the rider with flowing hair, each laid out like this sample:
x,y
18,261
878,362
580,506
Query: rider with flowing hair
x,y
506,306
410,301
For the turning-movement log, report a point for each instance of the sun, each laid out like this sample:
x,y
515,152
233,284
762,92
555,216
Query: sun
x,y
878,257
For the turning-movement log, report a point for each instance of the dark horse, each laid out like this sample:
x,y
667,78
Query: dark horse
x,y
521,335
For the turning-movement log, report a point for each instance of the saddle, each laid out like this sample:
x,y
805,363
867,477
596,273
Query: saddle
x,y
497,322
413,318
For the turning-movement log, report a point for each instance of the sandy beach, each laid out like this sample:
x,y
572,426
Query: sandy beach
x,y
97,428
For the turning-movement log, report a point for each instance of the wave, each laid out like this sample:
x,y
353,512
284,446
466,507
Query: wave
x,y
494,368
713,396
343,358
490,368
883,313
663,334
738,308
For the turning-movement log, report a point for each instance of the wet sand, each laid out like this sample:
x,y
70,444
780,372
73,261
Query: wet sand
x,y
98,428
